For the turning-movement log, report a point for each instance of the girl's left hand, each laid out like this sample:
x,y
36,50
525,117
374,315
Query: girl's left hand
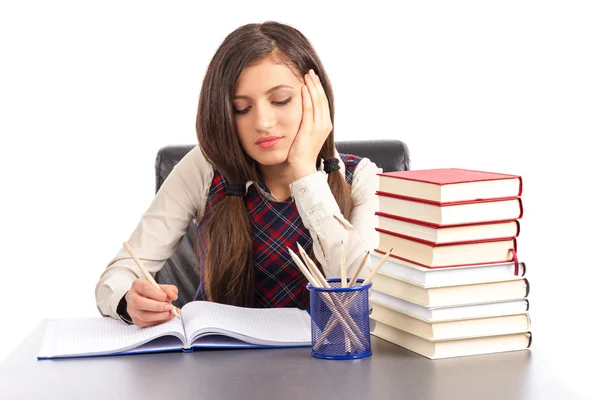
x,y
314,129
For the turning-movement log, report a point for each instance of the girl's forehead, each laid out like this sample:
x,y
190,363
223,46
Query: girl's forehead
x,y
264,75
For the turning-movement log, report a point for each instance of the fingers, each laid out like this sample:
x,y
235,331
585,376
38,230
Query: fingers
x,y
145,288
144,319
320,104
315,99
171,291
307,111
148,305
139,302
325,113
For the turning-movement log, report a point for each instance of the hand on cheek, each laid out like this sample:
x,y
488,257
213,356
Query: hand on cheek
x,y
314,128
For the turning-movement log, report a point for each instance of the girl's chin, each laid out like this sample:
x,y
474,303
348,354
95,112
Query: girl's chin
x,y
271,159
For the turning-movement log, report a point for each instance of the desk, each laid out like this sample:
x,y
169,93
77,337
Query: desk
x,y
390,373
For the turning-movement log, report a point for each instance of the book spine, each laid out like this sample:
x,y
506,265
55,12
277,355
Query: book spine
x,y
449,203
516,260
434,244
439,226
521,207
520,186
441,266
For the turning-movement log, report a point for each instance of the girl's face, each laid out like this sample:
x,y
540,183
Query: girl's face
x,y
267,105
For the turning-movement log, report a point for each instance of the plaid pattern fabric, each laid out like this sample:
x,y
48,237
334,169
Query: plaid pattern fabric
x,y
275,226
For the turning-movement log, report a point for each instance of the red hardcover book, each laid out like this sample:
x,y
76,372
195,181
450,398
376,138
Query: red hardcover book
x,y
432,255
508,229
451,213
444,185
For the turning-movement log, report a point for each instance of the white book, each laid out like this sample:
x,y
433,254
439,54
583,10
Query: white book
x,y
202,325
452,276
459,329
450,296
444,314
438,349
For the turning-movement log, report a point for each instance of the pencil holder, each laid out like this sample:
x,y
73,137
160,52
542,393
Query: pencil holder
x,y
340,321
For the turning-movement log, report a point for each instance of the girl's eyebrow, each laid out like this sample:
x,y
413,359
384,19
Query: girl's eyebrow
x,y
267,92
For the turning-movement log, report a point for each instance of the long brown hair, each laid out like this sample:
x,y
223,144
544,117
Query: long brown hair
x,y
229,270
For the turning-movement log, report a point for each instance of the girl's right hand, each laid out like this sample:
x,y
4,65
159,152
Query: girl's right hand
x,y
148,306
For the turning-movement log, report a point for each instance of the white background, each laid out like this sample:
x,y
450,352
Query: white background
x,y
89,91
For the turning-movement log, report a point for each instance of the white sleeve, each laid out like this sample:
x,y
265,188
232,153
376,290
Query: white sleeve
x,y
160,230
328,227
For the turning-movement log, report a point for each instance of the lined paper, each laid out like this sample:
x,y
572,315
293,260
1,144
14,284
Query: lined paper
x,y
85,336
274,326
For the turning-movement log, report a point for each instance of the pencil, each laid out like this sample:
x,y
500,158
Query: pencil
x,y
377,267
146,273
360,267
343,271
312,267
344,280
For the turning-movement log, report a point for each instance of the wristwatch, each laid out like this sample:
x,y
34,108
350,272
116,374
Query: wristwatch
x,y
122,310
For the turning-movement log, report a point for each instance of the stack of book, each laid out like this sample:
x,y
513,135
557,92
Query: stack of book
x,y
453,285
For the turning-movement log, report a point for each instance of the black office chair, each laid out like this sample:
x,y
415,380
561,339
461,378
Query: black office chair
x,y
180,269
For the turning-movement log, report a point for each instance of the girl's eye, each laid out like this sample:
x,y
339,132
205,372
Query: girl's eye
x,y
244,111
278,103
284,102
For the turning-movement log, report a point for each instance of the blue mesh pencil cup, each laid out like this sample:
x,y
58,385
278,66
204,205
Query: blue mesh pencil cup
x,y
340,320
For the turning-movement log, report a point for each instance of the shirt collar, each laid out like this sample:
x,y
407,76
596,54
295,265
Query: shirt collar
x,y
264,190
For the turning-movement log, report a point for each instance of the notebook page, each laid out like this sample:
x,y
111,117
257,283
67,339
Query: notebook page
x,y
222,342
99,336
264,326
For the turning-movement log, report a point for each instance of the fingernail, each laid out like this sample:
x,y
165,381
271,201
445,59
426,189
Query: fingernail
x,y
168,307
312,72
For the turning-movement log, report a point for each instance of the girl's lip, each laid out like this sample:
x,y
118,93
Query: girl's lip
x,y
265,144
267,139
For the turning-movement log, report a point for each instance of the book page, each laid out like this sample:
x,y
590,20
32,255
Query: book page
x,y
222,342
101,336
259,326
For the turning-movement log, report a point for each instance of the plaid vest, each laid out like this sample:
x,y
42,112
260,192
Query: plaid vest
x,y
275,226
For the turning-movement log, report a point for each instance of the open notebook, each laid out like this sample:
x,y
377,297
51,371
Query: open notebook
x,y
202,325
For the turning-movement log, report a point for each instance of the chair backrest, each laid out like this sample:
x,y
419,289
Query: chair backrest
x,y
180,269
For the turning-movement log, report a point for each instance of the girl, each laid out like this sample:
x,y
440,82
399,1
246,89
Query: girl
x,y
264,176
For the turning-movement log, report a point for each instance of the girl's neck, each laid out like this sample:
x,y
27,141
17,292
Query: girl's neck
x,y
278,179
